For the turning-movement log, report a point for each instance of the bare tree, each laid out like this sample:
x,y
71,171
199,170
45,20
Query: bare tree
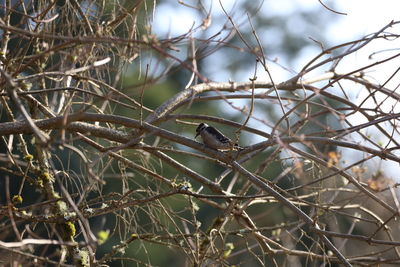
x,y
92,174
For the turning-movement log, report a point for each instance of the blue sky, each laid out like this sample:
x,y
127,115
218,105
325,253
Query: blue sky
x,y
361,17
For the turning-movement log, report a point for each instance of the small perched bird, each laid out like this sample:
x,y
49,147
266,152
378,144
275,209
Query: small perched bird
x,y
214,138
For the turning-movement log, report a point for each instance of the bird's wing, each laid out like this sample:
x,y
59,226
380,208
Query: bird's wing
x,y
218,134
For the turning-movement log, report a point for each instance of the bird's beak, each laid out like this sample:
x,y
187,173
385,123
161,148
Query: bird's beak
x,y
197,134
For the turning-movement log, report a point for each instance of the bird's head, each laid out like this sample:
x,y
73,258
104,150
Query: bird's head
x,y
200,128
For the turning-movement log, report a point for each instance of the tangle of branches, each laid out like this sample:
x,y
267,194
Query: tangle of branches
x,y
93,172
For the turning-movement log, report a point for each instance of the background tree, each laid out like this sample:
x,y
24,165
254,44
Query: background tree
x,y
98,159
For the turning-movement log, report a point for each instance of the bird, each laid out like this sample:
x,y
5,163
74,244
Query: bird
x,y
215,139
